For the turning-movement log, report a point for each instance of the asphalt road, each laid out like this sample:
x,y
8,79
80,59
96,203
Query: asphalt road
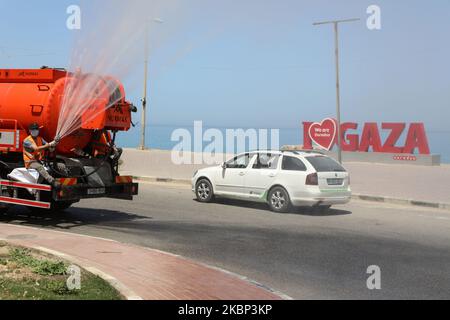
x,y
303,254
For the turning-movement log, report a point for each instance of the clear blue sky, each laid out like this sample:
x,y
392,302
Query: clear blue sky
x,y
268,66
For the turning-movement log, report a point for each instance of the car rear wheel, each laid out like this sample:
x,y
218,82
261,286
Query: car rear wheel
x,y
204,191
279,200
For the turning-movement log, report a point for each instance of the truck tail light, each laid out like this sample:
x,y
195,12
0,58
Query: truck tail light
x,y
312,179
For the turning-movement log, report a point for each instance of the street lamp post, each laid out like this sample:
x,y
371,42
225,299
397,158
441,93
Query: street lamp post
x,y
338,94
144,97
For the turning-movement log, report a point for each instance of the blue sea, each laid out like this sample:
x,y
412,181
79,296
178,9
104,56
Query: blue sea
x,y
159,137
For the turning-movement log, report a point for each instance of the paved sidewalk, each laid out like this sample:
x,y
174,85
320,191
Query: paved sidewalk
x,y
419,183
139,273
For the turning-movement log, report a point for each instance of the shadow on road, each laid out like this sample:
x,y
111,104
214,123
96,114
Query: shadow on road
x,y
317,213
71,218
305,211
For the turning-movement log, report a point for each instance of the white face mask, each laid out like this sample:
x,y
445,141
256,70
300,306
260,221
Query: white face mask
x,y
34,133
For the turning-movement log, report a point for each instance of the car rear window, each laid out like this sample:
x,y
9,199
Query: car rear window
x,y
293,164
325,164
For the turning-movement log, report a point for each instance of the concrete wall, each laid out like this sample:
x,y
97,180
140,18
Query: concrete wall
x,y
389,158
386,158
385,180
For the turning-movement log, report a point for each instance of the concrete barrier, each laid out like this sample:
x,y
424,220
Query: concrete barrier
x,y
426,185
386,158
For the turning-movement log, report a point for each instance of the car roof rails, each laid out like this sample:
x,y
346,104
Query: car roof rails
x,y
313,151
299,152
261,151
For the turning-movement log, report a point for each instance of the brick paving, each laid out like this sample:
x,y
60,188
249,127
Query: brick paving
x,y
145,273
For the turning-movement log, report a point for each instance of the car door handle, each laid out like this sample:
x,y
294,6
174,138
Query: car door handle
x,y
272,175
242,174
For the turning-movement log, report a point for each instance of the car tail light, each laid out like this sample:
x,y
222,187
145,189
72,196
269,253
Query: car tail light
x,y
349,180
312,179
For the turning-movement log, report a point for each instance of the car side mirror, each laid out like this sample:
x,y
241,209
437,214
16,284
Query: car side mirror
x,y
224,165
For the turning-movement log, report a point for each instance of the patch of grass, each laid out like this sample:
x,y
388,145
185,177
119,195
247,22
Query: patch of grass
x,y
92,288
41,267
27,275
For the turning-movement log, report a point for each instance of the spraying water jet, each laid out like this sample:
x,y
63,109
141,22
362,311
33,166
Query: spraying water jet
x,y
82,113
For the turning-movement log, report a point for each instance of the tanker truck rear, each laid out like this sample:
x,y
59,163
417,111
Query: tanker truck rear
x,y
89,153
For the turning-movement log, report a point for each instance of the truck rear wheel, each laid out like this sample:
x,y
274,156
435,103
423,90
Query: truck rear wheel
x,y
3,206
61,206
56,207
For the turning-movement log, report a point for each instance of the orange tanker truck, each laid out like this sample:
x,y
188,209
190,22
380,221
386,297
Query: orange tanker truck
x,y
89,153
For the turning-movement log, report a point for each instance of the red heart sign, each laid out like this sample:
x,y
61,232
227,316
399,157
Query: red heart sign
x,y
324,134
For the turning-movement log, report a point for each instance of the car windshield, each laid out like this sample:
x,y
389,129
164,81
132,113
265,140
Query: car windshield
x,y
325,164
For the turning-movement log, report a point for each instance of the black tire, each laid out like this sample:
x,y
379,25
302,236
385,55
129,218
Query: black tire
x,y
204,191
279,200
56,207
4,207
61,206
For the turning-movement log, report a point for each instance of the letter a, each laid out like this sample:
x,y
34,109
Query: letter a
x,y
374,281
74,20
374,20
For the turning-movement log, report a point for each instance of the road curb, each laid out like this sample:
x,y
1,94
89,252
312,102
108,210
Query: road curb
x,y
280,294
356,196
408,202
127,293
162,180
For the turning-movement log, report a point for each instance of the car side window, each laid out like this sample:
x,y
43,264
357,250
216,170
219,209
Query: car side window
x,y
267,161
293,164
240,162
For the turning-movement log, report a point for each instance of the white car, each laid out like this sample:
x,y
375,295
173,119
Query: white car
x,y
281,179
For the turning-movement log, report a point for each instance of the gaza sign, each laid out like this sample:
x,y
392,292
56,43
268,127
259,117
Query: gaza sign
x,y
324,135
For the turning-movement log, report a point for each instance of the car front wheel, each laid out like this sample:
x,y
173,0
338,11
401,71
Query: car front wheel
x,y
204,191
279,200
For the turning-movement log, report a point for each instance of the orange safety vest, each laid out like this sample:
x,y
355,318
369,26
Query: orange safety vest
x,y
37,155
100,146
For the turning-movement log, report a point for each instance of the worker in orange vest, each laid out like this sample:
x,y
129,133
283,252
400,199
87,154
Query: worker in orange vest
x,y
33,153
102,145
